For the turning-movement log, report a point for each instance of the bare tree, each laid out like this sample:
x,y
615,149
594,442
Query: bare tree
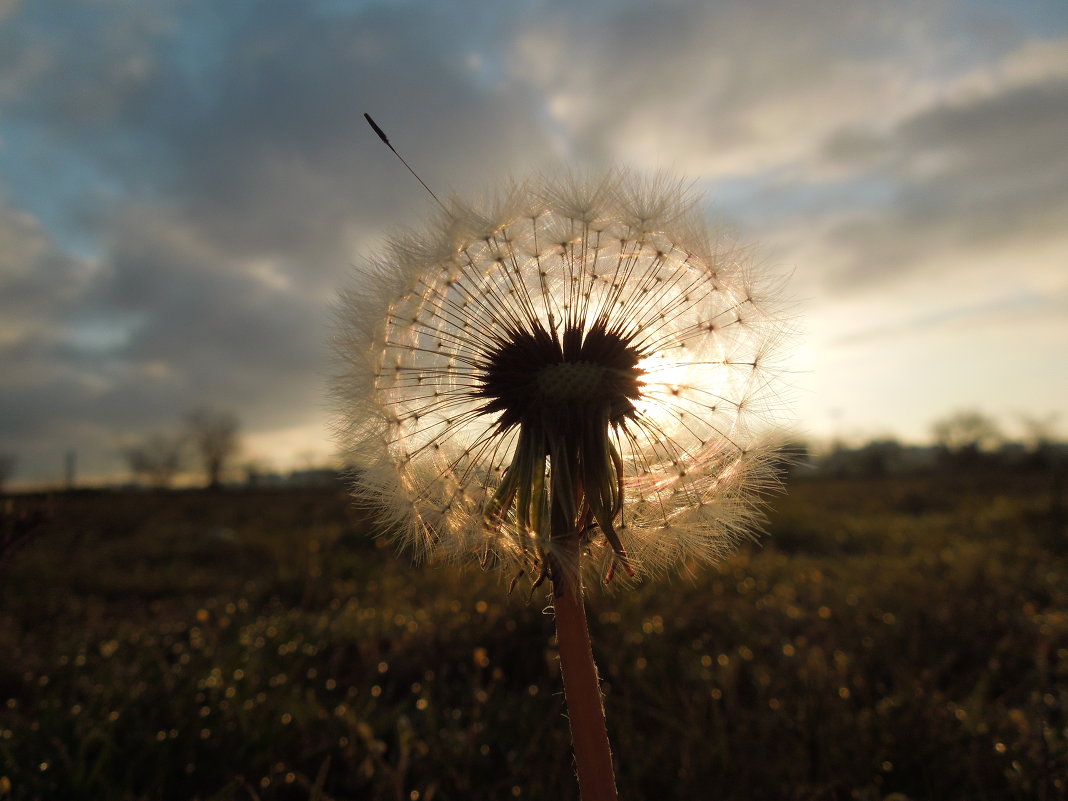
x,y
1039,432
1041,437
214,434
965,434
967,430
157,459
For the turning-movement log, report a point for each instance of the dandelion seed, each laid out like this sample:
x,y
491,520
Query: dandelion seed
x,y
577,349
567,376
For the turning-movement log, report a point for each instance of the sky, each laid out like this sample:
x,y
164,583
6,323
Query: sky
x,y
185,186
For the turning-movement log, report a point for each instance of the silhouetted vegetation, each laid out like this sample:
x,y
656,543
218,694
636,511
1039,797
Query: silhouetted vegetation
x,y
898,635
965,441
214,435
156,460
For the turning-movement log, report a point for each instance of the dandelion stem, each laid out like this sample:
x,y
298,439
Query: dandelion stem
x,y
582,690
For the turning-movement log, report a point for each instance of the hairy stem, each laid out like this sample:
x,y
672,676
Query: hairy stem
x,y
582,691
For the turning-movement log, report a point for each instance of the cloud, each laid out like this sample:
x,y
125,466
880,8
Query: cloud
x,y
49,373
963,178
1002,312
166,325
727,89
188,183
228,182
38,281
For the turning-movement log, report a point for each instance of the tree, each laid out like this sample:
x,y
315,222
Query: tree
x,y
1039,432
214,435
964,434
1040,438
156,460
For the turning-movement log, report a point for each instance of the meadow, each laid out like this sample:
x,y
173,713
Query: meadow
x,y
901,638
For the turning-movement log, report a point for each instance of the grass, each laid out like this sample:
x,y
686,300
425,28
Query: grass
x,y
904,636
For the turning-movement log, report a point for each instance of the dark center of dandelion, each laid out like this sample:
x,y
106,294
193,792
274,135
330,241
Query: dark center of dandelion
x,y
568,381
580,374
564,393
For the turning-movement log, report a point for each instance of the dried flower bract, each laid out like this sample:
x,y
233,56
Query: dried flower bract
x,y
576,359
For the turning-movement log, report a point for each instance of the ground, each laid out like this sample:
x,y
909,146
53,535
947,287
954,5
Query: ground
x,y
895,636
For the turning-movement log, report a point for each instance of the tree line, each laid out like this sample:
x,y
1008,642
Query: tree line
x,y
209,435
963,440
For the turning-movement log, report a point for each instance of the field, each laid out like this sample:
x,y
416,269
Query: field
x,y
903,638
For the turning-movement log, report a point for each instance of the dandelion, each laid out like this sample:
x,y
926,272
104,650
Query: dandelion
x,y
561,380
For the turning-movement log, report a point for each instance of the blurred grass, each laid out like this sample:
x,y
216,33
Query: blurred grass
x,y
904,636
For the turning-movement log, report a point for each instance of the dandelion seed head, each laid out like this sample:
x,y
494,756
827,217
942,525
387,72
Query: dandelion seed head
x,y
573,347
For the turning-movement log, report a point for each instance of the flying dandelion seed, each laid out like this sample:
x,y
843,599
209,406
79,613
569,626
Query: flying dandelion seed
x,y
575,361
